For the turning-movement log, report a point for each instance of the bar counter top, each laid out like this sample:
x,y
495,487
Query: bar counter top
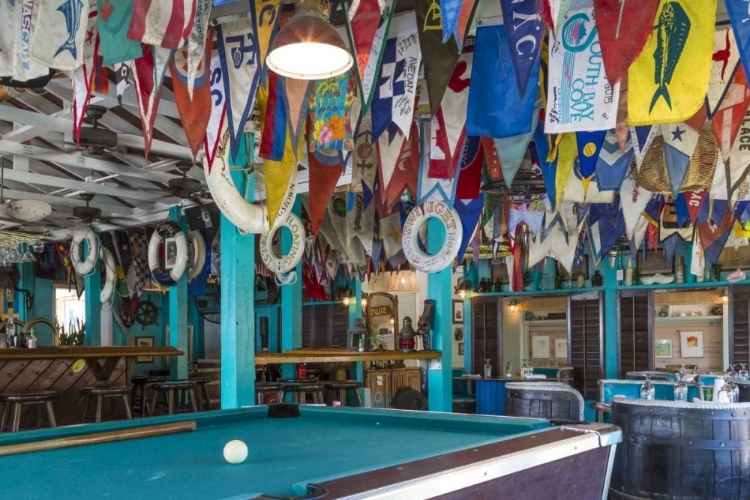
x,y
76,352
339,356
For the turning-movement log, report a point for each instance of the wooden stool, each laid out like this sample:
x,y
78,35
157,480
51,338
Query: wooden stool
x,y
201,388
167,391
16,402
139,392
341,386
306,380
299,392
263,388
105,392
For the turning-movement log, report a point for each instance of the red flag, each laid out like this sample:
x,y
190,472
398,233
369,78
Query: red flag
x,y
694,200
624,26
406,173
164,23
728,118
101,76
710,233
148,72
494,170
470,177
324,174
194,113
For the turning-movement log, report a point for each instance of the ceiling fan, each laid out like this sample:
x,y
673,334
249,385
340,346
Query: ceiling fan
x,y
88,214
95,140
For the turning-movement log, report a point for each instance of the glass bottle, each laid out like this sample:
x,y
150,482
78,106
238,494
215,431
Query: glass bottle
x,y
647,390
680,389
487,369
508,370
743,374
629,273
679,274
10,329
581,281
596,279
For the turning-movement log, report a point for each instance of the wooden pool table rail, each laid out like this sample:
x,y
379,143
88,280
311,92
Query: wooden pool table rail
x,y
338,356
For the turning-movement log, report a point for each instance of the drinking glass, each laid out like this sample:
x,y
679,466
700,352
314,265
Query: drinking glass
x,y
743,375
647,390
487,369
680,389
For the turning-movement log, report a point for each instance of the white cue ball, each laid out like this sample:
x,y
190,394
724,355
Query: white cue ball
x,y
235,451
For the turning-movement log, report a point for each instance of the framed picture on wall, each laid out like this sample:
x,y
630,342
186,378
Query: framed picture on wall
x,y
460,348
458,312
663,348
170,253
540,347
691,344
144,342
654,262
561,348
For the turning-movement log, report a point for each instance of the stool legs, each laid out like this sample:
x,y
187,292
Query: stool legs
x,y
6,414
193,402
16,423
358,398
51,414
205,398
125,401
170,402
99,400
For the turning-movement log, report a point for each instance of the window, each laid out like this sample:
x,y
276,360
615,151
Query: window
x,y
69,309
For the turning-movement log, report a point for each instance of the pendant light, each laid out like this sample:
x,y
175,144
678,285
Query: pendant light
x,y
308,47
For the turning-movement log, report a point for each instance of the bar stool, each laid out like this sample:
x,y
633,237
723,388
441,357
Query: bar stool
x,y
263,388
340,388
201,388
16,402
300,390
167,391
139,392
305,380
105,392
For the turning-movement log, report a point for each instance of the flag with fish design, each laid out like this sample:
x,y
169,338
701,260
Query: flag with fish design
x,y
83,76
449,124
613,162
200,34
148,74
726,60
727,120
680,140
624,27
642,137
114,19
238,52
668,81
524,29
739,18
396,87
59,32
164,23
439,58
512,150
195,109
368,22
493,74
579,97
218,108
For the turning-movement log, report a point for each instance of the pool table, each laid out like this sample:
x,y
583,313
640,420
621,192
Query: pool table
x,y
316,452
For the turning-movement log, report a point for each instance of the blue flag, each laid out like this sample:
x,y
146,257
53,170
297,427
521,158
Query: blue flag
x,y
525,30
548,168
613,163
739,16
469,212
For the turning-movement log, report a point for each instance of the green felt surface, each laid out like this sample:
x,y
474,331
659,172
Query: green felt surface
x,y
285,454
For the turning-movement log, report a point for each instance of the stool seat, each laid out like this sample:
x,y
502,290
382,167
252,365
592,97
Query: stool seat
x,y
29,397
14,402
105,392
341,386
204,399
172,385
299,391
139,392
263,388
184,388
298,380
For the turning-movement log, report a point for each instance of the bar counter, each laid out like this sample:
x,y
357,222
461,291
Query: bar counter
x,y
339,356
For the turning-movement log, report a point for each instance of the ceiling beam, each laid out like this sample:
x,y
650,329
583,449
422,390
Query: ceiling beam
x,y
58,201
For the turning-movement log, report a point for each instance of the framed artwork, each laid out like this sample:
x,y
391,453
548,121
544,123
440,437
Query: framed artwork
x,y
458,312
170,253
144,342
654,262
575,271
663,348
540,347
499,271
561,348
691,344
460,348
458,334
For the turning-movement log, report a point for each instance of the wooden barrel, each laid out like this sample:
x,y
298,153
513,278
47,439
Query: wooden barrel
x,y
550,400
676,450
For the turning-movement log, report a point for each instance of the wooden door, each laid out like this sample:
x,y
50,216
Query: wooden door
x,y
407,377
486,336
585,342
380,384
739,327
636,331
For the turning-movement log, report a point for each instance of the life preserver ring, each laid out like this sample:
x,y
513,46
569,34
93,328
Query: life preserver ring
x,y
168,229
110,276
196,254
453,235
84,268
286,263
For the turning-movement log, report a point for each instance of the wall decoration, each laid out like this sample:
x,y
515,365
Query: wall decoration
x,y
144,342
575,271
540,347
458,334
691,344
460,348
458,312
654,262
561,348
170,253
663,348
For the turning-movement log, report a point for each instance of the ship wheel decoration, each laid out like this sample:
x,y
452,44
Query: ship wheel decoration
x,y
147,313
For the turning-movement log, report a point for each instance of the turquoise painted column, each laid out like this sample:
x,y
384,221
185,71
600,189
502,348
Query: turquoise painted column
x,y
237,311
92,285
291,303
472,274
355,312
610,320
440,289
28,283
178,313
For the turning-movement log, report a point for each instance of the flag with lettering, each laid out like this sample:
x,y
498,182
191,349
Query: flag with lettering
x,y
59,32
16,23
114,19
668,81
524,30
238,52
218,108
396,88
195,110
613,163
737,166
148,74
727,120
165,23
439,58
200,34
579,96
368,22
624,26
493,74
83,76
739,18
726,60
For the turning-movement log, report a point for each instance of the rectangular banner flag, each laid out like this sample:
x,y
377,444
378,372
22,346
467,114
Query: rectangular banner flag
x,y
114,19
165,23
579,96
218,108
15,33
59,32
669,80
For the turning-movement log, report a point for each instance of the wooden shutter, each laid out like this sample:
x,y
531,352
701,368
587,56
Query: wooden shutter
x,y
339,325
739,334
324,325
486,323
308,328
585,343
636,320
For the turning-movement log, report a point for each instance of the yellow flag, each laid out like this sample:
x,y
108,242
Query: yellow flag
x,y
567,151
669,80
266,19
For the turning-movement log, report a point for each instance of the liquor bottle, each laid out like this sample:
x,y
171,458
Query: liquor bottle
x,y
10,330
679,275
629,273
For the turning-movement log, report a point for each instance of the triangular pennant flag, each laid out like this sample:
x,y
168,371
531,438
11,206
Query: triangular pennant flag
x,y
525,30
737,165
238,52
201,36
621,127
670,226
512,150
470,176
449,10
439,58
633,202
83,76
298,104
739,17
281,186
365,162
389,152
668,81
532,219
548,166
589,146
726,60
694,200
114,19
390,232
360,221
680,206
164,23
122,78
553,12
265,20
100,81
406,174
273,107
60,28
148,73
712,231
613,162
464,21
218,109
624,26
567,152
195,110
324,175
680,140
697,257
582,98
430,188
469,212
728,118
642,137
492,160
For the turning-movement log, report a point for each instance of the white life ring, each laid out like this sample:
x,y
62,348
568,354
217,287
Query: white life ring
x,y
453,235
168,229
286,263
110,276
196,253
84,268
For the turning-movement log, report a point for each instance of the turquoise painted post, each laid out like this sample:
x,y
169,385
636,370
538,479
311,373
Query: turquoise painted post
x,y
355,311
610,320
92,284
178,313
291,304
28,283
440,289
